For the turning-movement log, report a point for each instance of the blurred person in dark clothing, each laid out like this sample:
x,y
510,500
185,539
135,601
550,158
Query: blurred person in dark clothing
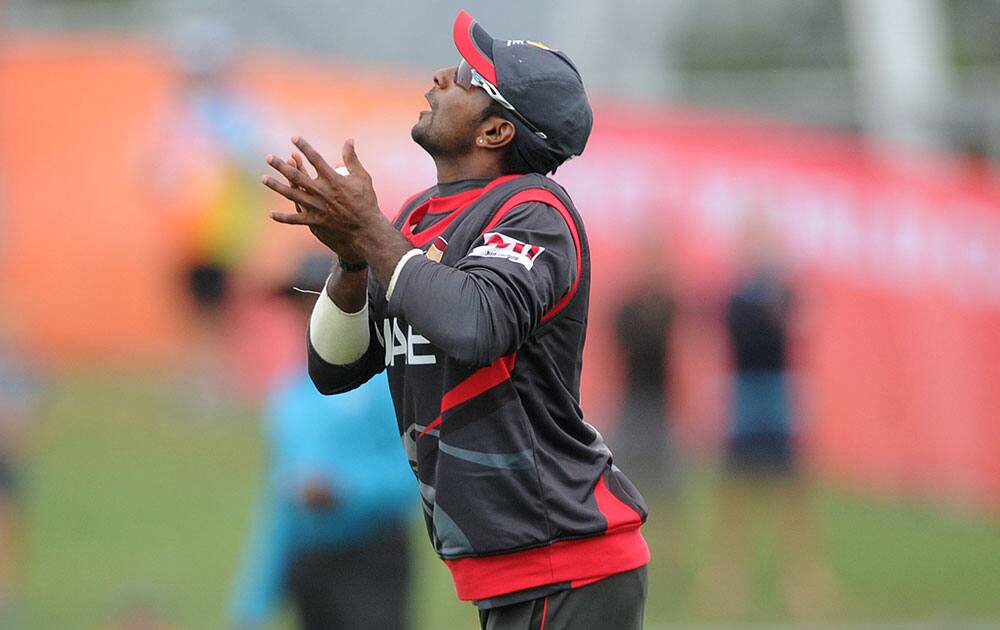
x,y
643,324
760,430
761,468
331,529
20,402
206,162
206,145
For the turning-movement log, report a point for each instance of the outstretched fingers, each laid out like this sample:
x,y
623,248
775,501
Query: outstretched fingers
x,y
296,218
296,162
299,162
295,176
351,160
322,168
294,194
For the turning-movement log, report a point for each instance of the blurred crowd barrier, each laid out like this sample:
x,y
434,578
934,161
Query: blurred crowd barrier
x,y
894,258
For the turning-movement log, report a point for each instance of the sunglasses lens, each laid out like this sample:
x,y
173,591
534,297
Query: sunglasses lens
x,y
463,76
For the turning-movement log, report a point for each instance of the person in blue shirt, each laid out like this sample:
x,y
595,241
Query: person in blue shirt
x,y
330,533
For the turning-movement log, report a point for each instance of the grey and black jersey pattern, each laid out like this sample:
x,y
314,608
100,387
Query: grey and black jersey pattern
x,y
483,343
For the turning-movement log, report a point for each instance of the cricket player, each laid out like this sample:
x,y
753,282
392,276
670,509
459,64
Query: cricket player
x,y
475,301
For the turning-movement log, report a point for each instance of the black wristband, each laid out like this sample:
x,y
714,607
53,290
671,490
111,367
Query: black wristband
x,y
352,266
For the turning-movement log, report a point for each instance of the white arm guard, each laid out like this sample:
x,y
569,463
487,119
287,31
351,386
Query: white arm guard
x,y
339,338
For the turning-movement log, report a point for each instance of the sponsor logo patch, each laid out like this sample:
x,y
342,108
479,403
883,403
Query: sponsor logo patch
x,y
436,250
497,245
528,42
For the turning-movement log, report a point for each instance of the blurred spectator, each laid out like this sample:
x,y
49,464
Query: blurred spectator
x,y
331,529
762,471
206,167
20,401
643,325
760,429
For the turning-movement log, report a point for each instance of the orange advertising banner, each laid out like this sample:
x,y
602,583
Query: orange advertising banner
x,y
896,261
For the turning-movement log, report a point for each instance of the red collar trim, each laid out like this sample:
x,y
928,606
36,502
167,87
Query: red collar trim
x,y
452,204
441,205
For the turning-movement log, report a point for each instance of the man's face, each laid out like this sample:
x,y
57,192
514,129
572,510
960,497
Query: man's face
x,y
448,128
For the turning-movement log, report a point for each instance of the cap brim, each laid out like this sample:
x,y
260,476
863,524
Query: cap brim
x,y
475,45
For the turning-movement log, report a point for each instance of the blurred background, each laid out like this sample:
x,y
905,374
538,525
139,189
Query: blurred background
x,y
794,346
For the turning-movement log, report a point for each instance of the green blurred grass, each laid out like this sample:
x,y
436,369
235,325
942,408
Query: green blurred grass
x,y
126,496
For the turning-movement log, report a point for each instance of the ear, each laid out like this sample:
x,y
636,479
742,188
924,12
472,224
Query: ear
x,y
495,133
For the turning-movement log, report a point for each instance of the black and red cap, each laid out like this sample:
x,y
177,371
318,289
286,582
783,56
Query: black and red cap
x,y
543,85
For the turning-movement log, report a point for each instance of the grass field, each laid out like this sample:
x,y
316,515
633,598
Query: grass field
x,y
126,497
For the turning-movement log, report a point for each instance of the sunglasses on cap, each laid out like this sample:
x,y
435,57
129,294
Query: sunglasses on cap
x,y
467,76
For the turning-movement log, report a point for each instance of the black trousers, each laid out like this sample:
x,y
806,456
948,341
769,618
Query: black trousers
x,y
614,603
365,587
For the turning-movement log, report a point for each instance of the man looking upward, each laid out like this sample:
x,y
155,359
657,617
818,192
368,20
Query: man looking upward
x,y
475,300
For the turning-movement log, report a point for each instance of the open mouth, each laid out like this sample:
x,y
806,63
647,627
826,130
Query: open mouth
x,y
427,97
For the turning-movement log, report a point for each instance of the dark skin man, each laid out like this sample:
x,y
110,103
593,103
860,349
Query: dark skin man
x,y
477,311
